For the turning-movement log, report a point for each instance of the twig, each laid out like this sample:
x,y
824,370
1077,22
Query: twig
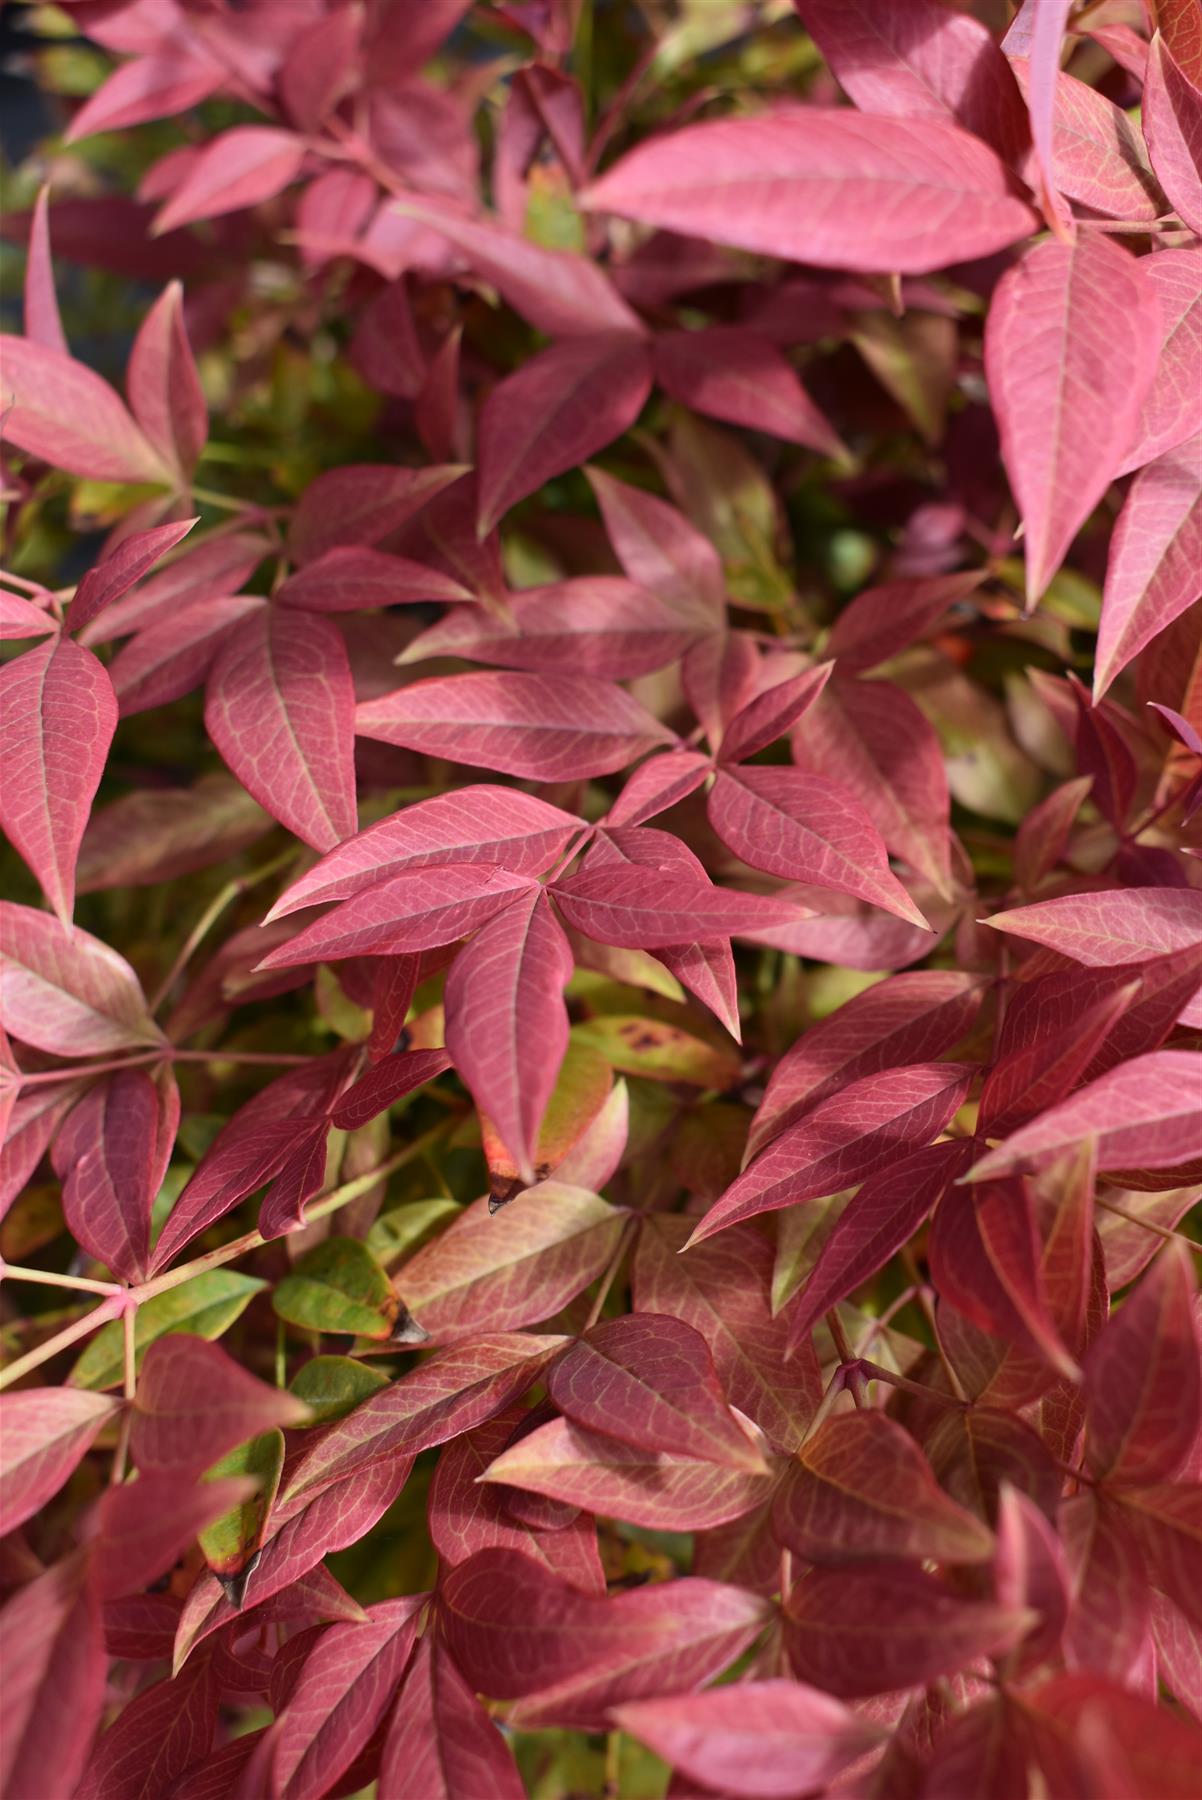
x,y
51,1278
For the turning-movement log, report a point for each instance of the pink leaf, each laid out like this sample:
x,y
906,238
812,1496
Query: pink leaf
x,y
441,1743
42,322
59,713
481,824
361,504
66,992
817,185
143,1527
884,620
1152,575
1172,410
662,781
320,67
732,374
415,910
647,909
768,1740
116,573
854,1133
1142,1383
1144,1114
1044,833
1103,929
802,827
280,708
212,569
62,413
53,1690
385,348
1070,351
657,546
772,713
506,1021
194,1402
172,79
177,1717
240,168
1098,157
23,619
1047,22
1109,1617
111,1158
351,579
1044,1053
44,1433
1172,122
165,661
560,408
1030,1572
374,1092
164,388
543,728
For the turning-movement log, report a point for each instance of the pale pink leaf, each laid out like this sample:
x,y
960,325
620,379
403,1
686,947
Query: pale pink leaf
x,y
1130,925
1070,350
44,1433
360,504
168,659
116,573
20,618
441,1744
650,909
1172,122
1154,572
64,991
164,388
320,67
657,546
110,1161
1098,156
735,375
356,577
42,322
415,910
241,168
280,708
213,569
58,410
1047,23
172,79
1172,410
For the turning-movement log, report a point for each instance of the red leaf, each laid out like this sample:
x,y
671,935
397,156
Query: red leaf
x,y
111,1157
62,413
1152,572
194,1403
657,547
1072,1712
732,374
176,1717
506,1021
167,660
1030,1574
1070,350
385,348
418,909
66,992
116,573
863,1489
280,709
1172,411
1109,1619
770,714
210,570
393,1076
1172,123
479,824
1144,1114
59,714
1143,1387
1044,832
500,1274
856,1632
854,1133
1104,929
240,168
561,407
346,1686
545,728
815,185
1044,1051
765,1739
662,781
1165,1519
361,504
143,1527
351,579
647,909
803,827
441,1743
53,1690
884,620
45,1433
42,322
172,79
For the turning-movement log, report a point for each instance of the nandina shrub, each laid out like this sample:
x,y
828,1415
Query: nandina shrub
x,y
601,756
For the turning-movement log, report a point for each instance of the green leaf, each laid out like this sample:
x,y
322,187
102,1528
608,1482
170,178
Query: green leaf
x,y
406,1227
230,1541
338,1286
207,1306
331,1386
661,1052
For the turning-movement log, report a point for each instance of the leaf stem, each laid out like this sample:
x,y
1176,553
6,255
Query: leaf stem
x,y
51,1278
33,1359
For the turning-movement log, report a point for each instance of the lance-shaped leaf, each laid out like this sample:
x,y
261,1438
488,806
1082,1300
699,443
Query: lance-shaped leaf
x,y
54,1689
169,659
583,1133
59,713
723,1290
882,621
1144,1115
346,1686
22,619
1097,155
164,388
466,1514
444,1396
356,577
141,1528
194,1403
62,413
210,570
44,1433
500,1272
1087,1732
1172,409
418,909
847,1137
908,1018
207,1305
985,1261
478,824
1030,1573
280,709
1109,1615
557,410
1166,1520
1178,1644
1172,124
1152,573
650,1380
766,718
733,374
172,79
817,185
360,504
598,625
116,573
174,1718
1038,33
855,1632
889,758
392,1077
66,992
863,1489
42,321
768,1740
240,168
1043,1055
1131,925
541,727
657,546
649,909
518,1633
1142,1381
975,1451
1070,351
441,1743
883,1216
803,827
1043,834
231,1539
506,1021
112,1156
338,1286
